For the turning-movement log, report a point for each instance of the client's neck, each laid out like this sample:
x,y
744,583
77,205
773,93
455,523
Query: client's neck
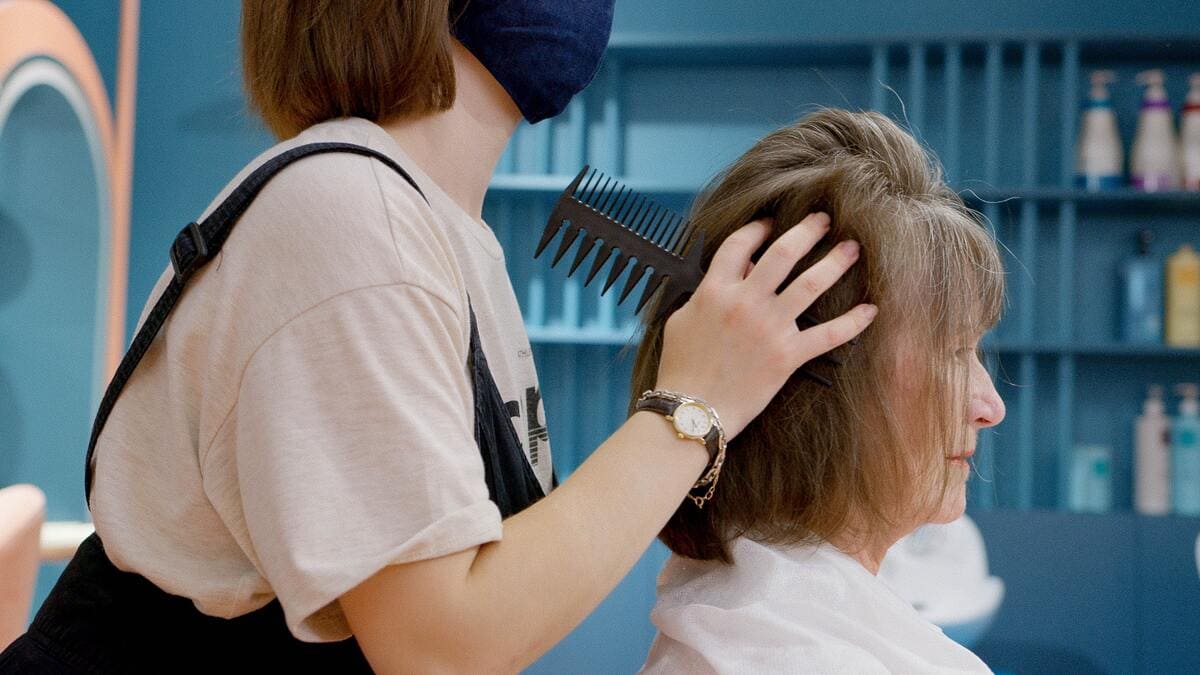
x,y
459,147
868,551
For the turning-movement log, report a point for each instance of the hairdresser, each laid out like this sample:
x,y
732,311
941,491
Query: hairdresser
x,y
330,457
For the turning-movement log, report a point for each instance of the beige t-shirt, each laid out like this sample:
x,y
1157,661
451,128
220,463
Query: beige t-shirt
x,y
305,417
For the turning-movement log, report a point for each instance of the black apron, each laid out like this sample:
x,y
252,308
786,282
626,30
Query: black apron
x,y
99,619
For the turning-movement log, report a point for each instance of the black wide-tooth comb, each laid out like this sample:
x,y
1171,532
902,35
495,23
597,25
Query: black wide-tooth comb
x,y
616,220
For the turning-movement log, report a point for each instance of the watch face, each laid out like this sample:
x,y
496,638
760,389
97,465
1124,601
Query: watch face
x,y
692,420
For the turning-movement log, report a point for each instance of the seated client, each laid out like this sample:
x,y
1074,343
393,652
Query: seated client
x,y
778,571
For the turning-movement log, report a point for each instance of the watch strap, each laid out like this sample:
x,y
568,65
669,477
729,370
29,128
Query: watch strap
x,y
666,406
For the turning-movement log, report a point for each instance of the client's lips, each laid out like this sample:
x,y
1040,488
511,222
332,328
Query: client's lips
x,y
964,456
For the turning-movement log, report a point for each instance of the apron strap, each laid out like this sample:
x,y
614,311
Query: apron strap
x,y
512,484
194,246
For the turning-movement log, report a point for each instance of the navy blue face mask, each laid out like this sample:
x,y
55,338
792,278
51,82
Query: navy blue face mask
x,y
543,52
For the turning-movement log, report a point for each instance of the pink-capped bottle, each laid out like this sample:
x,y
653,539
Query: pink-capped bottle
x,y
1154,160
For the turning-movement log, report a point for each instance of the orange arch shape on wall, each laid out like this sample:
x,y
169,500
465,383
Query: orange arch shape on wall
x,y
37,28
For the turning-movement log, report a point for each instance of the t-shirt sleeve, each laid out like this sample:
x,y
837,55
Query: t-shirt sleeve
x,y
355,448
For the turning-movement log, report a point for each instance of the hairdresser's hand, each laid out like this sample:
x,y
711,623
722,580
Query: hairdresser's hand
x,y
736,342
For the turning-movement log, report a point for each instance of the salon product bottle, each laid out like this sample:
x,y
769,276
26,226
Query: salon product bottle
x,y
1142,294
1190,135
1185,453
1090,479
1154,160
1099,158
1183,298
1152,457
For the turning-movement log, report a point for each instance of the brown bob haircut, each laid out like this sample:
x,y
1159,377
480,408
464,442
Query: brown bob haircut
x,y
307,61
864,458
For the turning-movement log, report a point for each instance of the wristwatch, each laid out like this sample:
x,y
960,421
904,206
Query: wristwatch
x,y
691,417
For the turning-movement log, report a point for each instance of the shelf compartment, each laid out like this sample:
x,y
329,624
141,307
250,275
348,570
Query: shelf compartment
x,y
1113,349
552,185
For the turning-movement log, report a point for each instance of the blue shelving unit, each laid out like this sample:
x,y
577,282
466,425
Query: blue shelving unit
x,y
1023,93
1001,112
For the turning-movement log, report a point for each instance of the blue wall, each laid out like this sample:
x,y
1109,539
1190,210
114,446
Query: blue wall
x,y
193,133
49,243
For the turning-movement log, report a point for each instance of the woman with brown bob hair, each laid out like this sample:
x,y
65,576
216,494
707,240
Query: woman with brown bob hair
x,y
776,572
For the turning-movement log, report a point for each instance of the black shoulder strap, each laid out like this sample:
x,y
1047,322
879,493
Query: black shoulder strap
x,y
194,246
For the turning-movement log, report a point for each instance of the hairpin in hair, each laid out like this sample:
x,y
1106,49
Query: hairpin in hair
x,y
615,220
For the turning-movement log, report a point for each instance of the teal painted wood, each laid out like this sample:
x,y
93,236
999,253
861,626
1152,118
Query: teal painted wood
x,y
1026,275
566,434
579,133
1025,431
991,125
952,152
1066,271
1065,435
1174,201
613,129
879,76
1069,86
789,49
1067,212
1031,69
545,146
916,88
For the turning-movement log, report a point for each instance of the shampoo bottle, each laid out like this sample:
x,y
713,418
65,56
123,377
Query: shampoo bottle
x,y
1152,458
1142,295
1155,156
1190,132
1099,158
1183,298
1090,479
1185,453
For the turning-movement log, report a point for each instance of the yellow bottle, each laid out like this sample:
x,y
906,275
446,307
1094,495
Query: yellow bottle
x,y
1183,298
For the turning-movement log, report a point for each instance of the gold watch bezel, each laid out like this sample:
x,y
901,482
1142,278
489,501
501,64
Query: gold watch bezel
x,y
707,415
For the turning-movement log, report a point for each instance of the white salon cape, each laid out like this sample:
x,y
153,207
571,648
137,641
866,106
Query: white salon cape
x,y
796,609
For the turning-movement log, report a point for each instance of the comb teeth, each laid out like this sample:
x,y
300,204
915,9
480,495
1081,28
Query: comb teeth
x,y
635,212
614,225
624,228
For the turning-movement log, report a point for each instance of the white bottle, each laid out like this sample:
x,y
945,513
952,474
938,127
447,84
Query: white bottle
x,y
1154,161
1190,132
1099,158
1152,457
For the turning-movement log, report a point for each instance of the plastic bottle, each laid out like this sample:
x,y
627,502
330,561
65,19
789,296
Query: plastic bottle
x,y
1090,479
1142,295
1183,298
1190,133
1185,453
1155,157
1152,457
1099,157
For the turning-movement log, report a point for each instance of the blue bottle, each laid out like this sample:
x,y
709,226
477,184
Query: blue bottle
x,y
1142,295
1185,453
